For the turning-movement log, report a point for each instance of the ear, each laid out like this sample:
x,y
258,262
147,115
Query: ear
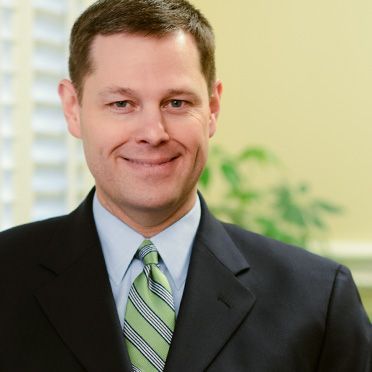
x,y
214,106
70,106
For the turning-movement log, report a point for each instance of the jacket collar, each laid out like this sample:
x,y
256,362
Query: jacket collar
x,y
78,300
215,300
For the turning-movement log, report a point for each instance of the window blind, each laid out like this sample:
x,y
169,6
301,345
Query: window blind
x,y
42,170
6,112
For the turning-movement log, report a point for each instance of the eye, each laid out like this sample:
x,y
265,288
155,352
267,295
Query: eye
x,y
122,107
176,103
121,104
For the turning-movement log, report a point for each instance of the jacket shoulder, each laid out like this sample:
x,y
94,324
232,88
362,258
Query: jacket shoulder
x,y
263,250
28,238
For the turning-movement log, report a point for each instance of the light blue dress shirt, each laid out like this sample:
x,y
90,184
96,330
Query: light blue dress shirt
x,y
120,243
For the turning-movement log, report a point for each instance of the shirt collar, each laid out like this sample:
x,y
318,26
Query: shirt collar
x,y
120,242
174,244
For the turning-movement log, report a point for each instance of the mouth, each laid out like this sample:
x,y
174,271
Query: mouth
x,y
151,163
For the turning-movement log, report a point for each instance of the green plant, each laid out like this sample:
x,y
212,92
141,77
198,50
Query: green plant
x,y
255,200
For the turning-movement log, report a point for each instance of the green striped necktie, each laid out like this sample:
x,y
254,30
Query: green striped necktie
x,y
150,316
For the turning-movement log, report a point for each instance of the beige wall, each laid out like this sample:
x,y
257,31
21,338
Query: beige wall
x,y
298,80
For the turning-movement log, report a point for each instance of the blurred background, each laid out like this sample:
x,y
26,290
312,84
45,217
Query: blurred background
x,y
297,87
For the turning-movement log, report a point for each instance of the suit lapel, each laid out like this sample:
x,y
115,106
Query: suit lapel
x,y
215,302
78,301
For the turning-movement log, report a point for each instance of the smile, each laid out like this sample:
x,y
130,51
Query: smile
x,y
150,163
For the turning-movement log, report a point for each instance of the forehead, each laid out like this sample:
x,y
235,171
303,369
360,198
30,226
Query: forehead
x,y
146,64
177,47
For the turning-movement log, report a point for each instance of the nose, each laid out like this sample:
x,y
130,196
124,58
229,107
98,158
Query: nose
x,y
151,127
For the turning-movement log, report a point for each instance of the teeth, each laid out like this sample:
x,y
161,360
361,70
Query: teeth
x,y
145,164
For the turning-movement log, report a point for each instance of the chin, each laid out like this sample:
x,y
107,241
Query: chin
x,y
152,201
155,202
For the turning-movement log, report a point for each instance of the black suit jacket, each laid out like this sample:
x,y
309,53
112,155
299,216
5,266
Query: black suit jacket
x,y
250,304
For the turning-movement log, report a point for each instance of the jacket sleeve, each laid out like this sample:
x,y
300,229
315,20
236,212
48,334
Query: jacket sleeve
x,y
347,344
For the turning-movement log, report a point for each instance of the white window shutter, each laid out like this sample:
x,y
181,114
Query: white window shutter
x,y
6,113
42,171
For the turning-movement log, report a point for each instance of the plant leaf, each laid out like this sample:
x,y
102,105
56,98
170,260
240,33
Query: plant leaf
x,y
205,177
303,188
230,174
327,207
318,222
259,154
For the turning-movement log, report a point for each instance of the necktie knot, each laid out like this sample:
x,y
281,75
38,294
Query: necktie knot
x,y
147,253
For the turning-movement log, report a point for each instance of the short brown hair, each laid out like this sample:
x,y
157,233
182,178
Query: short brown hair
x,y
146,17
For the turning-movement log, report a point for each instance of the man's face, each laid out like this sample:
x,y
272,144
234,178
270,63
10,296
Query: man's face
x,y
145,120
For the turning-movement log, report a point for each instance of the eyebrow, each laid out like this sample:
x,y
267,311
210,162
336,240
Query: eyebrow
x,y
123,91
181,92
117,91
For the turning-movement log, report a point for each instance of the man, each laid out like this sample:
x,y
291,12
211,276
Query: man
x,y
198,295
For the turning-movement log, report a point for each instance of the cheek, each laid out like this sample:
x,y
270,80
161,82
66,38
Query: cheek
x,y
99,137
191,138
193,132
